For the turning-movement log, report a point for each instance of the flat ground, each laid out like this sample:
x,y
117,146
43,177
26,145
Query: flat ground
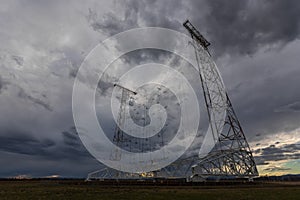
x,y
45,189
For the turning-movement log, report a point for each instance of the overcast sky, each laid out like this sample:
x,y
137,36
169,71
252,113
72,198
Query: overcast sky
x,y
256,45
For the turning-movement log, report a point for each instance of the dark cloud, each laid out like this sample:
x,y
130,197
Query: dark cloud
x,y
161,14
24,143
273,153
22,94
265,159
137,13
70,139
292,147
276,168
292,107
23,153
73,73
111,23
19,142
243,27
265,96
18,59
3,84
271,150
232,27
143,56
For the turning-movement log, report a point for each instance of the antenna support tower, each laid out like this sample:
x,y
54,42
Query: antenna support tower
x,y
231,155
118,136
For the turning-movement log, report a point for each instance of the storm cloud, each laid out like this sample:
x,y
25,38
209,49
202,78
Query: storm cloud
x,y
254,43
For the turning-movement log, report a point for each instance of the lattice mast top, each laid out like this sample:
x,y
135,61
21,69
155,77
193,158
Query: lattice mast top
x,y
196,35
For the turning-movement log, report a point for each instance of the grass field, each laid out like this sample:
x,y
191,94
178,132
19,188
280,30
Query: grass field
x,y
80,190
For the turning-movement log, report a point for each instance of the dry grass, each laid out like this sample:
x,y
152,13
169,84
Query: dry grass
x,y
80,190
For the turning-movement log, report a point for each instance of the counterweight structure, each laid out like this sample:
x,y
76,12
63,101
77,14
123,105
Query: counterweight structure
x,y
231,154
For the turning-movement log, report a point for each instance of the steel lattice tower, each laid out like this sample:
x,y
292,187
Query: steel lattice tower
x,y
118,138
231,154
